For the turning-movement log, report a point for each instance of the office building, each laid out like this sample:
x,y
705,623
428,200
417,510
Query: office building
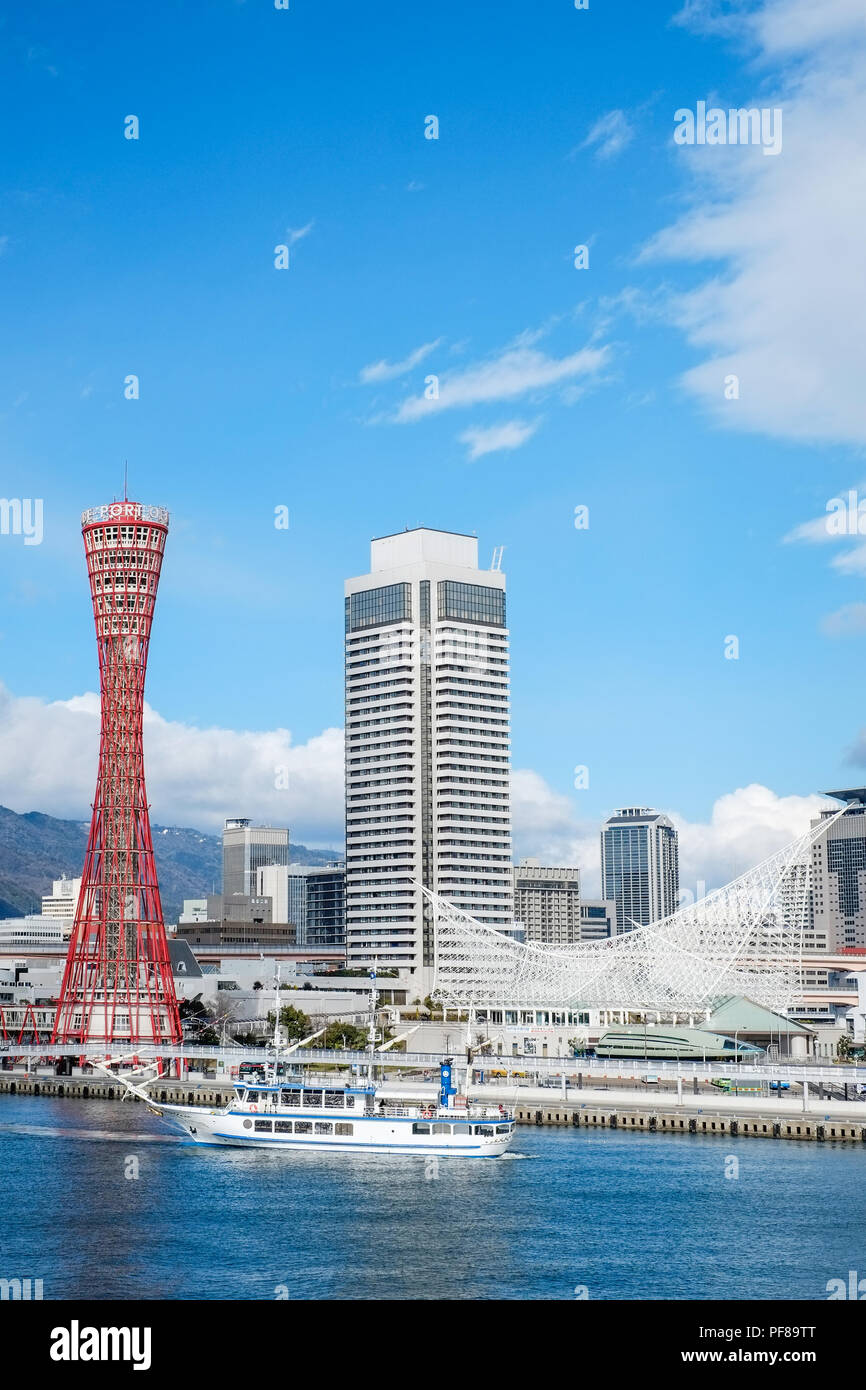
x,y
597,919
427,746
248,848
836,918
640,866
317,903
548,907
547,903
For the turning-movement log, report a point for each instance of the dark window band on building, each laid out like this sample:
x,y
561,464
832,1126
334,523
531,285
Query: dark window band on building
x,y
376,607
471,603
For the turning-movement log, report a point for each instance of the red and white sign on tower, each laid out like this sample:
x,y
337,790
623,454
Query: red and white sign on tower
x,y
117,986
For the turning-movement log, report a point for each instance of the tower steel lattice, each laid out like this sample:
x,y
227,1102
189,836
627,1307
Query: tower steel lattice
x,y
117,985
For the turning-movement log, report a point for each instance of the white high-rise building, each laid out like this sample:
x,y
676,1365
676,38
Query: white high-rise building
x,y
272,881
640,866
63,898
427,746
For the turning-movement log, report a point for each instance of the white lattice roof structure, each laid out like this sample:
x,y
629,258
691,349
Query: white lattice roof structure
x,y
743,939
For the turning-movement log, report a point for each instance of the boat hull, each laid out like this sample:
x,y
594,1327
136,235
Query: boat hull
x,y
371,1134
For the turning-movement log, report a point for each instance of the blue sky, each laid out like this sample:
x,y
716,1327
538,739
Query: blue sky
x,y
261,127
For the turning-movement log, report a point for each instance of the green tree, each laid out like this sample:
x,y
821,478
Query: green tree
x,y
343,1037
294,1023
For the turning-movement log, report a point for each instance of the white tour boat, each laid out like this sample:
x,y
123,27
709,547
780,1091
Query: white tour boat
x,y
303,1115
275,1113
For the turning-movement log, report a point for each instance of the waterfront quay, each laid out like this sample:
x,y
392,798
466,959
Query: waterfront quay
x,y
768,1100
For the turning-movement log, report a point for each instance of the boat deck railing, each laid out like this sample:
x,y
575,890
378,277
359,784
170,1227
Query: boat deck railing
x,y
433,1112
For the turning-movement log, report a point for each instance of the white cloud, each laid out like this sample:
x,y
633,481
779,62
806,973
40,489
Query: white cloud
x,y
509,435
850,618
386,371
195,777
516,371
610,135
745,826
295,234
843,522
784,311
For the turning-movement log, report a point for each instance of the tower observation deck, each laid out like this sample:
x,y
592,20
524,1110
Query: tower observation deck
x,y
117,986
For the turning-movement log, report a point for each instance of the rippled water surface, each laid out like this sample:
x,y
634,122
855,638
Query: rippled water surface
x,y
621,1215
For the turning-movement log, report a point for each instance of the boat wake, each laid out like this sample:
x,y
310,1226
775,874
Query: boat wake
x,y
116,1135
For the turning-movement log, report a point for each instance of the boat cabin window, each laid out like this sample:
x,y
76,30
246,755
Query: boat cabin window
x,y
263,1126
344,1128
420,1129
441,1129
283,1126
312,1098
290,1097
335,1099
324,1127
486,1130
303,1126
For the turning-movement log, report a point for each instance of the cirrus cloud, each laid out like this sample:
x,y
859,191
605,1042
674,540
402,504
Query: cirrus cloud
x,y
509,435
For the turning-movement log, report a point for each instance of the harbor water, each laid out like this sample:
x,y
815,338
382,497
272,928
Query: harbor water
x,y
106,1201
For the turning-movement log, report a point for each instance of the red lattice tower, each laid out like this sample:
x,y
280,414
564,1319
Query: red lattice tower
x,y
118,986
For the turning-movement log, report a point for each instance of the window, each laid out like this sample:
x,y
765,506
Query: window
x,y
312,1099
503,1129
290,1098
283,1126
376,607
420,1129
303,1126
471,603
324,1127
342,1128
485,1130
462,1129
441,1129
264,1126
335,1100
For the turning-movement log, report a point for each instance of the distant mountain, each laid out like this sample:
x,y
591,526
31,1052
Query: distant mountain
x,y
35,849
